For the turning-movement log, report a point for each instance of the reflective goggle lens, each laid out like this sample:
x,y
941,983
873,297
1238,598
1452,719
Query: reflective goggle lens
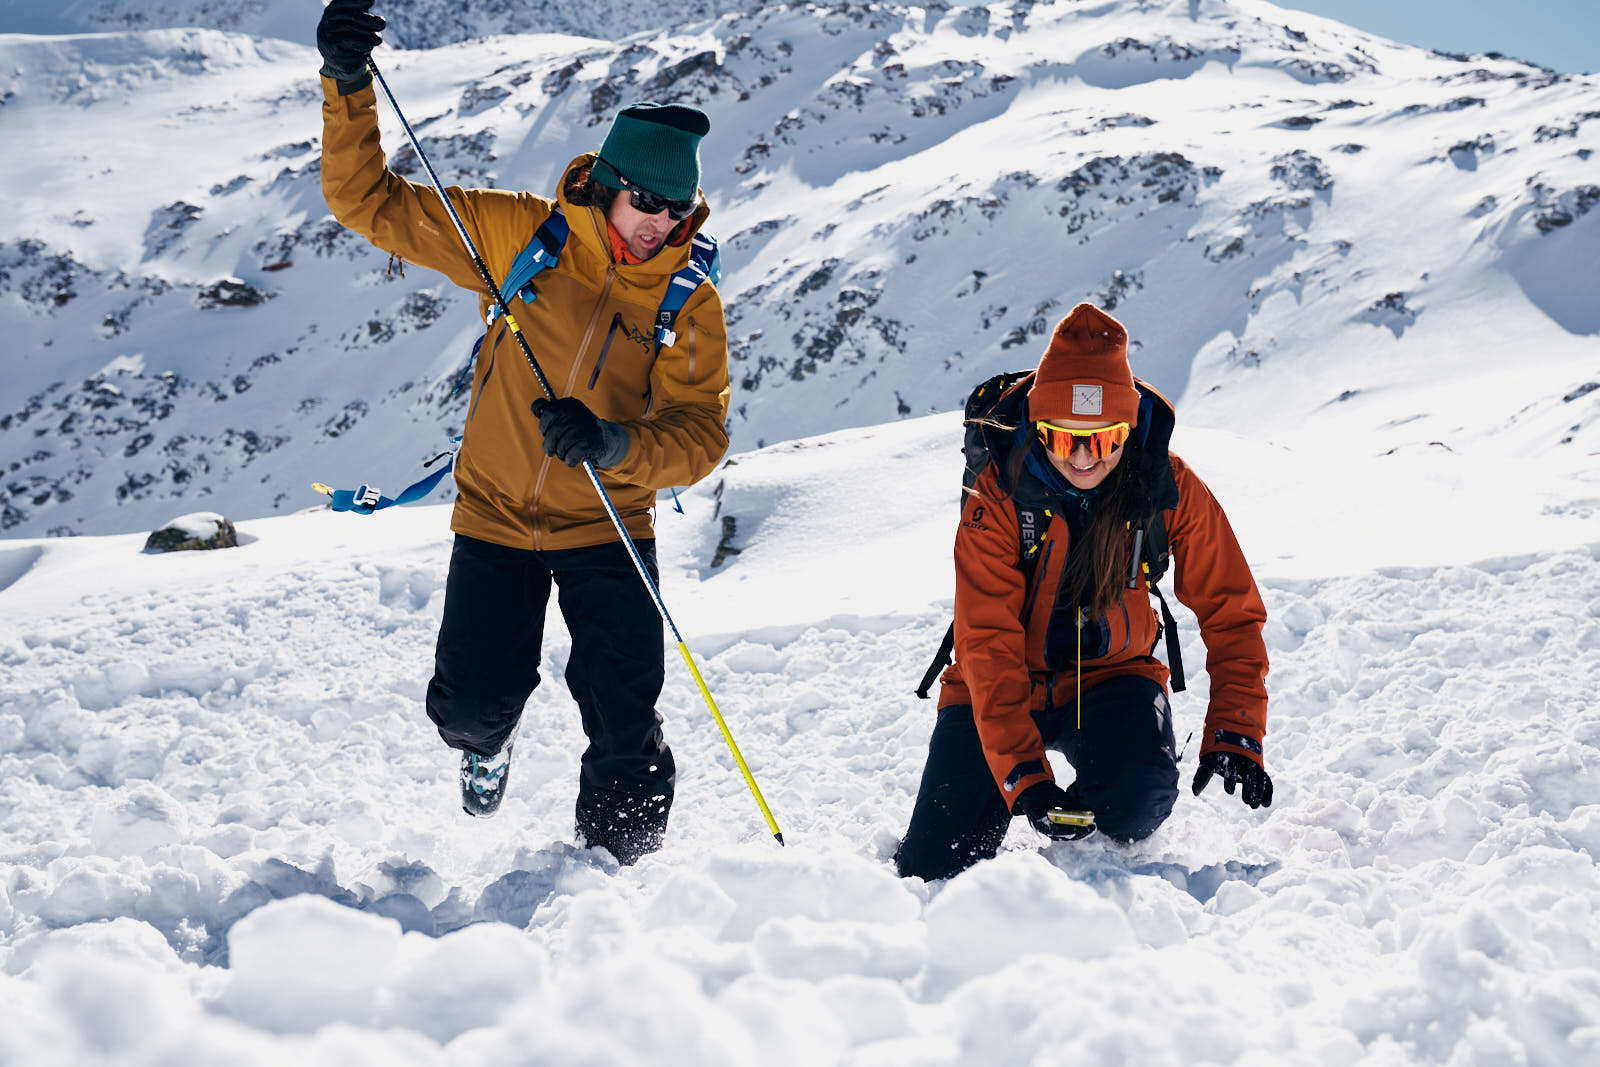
x,y
653,203
1102,441
649,203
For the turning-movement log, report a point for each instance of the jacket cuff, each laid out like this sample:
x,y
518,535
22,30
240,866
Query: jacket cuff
x,y
1218,739
617,445
1023,777
341,88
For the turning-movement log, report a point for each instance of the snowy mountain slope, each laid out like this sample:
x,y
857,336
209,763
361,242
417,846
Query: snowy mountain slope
x,y
412,23
1316,236
227,834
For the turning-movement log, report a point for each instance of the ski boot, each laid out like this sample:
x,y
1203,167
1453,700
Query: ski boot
x,y
483,781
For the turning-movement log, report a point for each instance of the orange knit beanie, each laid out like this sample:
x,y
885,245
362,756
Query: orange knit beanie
x,y
1084,373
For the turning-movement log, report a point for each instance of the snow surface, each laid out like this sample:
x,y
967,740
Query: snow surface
x,y
229,835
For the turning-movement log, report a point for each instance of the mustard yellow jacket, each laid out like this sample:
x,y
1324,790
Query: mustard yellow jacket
x,y
590,329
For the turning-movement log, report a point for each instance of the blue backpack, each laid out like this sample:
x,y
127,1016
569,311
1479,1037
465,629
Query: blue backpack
x,y
544,250
705,264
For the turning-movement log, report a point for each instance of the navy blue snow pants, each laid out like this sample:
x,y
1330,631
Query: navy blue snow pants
x,y
1125,756
486,666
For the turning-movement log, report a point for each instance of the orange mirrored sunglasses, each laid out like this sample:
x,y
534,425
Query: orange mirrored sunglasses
x,y
1102,440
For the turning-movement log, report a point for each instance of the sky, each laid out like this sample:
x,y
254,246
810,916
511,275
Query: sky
x,y
1563,34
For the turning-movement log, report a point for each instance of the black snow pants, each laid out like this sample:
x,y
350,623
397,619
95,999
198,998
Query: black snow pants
x,y
487,664
1125,756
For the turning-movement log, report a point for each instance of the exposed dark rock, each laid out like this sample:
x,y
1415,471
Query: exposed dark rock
x,y
167,225
231,293
476,98
1301,170
725,547
1556,211
188,533
556,83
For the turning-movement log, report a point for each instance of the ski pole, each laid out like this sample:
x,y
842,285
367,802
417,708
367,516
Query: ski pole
x,y
588,467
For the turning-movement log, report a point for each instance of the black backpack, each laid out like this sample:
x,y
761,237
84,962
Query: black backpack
x,y
984,419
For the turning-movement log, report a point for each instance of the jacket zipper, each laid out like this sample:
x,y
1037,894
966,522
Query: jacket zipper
x,y
493,348
1038,574
692,331
1078,699
616,323
572,378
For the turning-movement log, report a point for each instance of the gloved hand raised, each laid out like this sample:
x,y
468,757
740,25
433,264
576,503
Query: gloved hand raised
x,y
1235,769
1041,798
573,433
346,36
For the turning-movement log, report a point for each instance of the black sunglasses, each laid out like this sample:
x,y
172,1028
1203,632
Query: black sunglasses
x,y
646,202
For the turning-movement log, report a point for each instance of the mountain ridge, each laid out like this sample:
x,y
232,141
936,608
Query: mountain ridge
x,y
1292,216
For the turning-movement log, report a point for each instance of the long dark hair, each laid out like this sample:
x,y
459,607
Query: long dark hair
x,y
1100,559
1098,566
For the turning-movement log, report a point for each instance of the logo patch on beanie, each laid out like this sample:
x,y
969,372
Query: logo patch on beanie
x,y
1087,399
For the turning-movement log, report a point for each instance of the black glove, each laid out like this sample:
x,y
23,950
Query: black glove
x,y
346,36
1040,798
1234,769
573,433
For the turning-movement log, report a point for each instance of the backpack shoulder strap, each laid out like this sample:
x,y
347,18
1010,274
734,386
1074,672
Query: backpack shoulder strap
x,y
705,265
541,252
1157,553
941,660
1031,521
981,403
1151,555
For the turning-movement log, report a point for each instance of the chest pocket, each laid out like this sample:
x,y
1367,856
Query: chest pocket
x,y
622,362
1061,639
618,332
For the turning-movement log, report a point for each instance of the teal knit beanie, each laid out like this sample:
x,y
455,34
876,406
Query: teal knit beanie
x,y
656,147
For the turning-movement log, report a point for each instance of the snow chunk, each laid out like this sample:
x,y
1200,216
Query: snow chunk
x,y
121,940
301,963
805,948
768,885
136,821
1018,905
692,900
118,1010
465,979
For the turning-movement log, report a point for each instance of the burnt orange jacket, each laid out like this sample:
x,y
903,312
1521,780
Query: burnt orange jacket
x,y
590,328
1001,622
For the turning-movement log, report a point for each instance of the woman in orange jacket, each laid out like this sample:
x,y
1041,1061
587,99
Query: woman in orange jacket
x,y
1054,625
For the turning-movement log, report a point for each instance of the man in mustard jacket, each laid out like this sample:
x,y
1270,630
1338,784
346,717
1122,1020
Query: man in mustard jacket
x,y
526,513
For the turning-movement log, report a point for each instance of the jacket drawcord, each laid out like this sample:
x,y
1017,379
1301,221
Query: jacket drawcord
x,y
1080,669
